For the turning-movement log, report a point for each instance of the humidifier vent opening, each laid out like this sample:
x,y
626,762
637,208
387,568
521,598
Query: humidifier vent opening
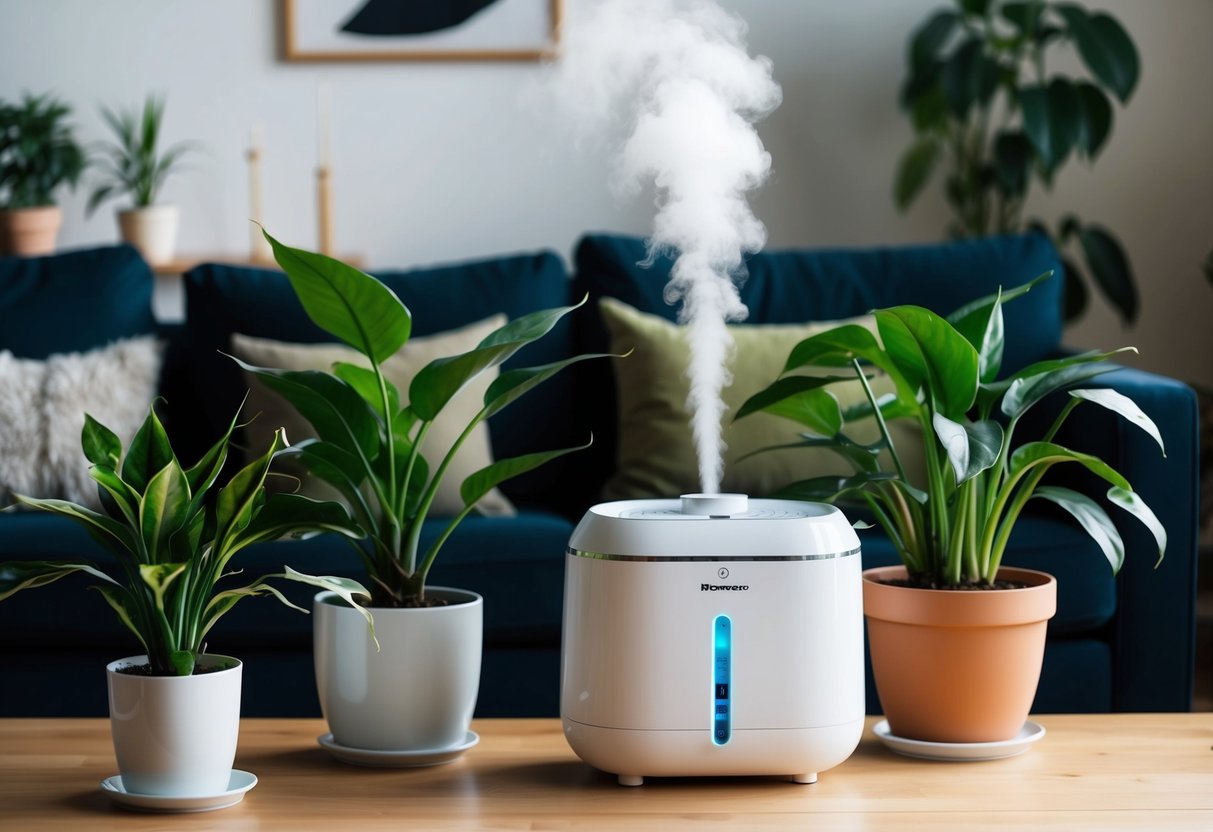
x,y
715,505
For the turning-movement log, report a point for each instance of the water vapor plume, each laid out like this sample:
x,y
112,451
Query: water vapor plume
x,y
671,84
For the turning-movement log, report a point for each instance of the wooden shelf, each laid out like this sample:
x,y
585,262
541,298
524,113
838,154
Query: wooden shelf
x,y
182,263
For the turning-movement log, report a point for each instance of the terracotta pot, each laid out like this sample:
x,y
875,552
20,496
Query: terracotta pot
x,y
30,232
152,230
957,666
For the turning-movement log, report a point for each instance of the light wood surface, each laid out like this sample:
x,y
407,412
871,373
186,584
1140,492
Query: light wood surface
x,y
1126,771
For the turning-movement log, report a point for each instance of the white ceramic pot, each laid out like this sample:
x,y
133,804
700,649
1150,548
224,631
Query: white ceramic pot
x,y
175,735
152,230
416,693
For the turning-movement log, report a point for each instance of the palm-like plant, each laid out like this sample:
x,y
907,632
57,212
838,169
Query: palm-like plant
x,y
38,152
133,165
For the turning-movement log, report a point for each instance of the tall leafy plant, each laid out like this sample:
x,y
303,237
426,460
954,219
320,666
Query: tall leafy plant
x,y
953,529
986,110
38,151
133,164
175,534
371,437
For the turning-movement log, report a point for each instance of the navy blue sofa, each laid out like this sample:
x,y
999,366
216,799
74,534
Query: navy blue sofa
x,y
1121,643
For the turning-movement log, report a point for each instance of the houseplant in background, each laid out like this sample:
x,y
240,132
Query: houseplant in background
x,y
135,166
936,684
983,107
38,154
174,532
410,703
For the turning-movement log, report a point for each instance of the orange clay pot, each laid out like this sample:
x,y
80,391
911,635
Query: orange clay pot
x,y
954,665
30,232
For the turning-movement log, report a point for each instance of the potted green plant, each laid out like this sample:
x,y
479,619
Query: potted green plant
x,y
38,154
412,702
951,531
175,710
135,166
983,105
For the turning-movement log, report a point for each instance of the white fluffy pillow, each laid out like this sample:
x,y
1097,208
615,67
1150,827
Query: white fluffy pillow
x,y
43,406
272,411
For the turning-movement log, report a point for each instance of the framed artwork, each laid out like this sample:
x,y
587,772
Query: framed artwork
x,y
420,30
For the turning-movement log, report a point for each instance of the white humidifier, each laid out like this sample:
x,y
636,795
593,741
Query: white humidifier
x,y
713,635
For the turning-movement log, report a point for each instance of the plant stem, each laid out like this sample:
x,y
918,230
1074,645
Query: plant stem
x,y
880,422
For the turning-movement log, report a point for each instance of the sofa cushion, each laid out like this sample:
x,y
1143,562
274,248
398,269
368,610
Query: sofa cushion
x,y
221,300
74,301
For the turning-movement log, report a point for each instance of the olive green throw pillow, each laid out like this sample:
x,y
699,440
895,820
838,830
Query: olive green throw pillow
x,y
656,456
273,411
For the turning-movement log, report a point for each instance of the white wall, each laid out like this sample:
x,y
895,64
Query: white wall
x,y
440,162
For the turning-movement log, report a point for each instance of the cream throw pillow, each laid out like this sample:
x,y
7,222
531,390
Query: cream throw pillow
x,y
42,413
656,455
272,411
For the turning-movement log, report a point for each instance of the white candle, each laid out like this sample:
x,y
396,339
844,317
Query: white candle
x,y
324,126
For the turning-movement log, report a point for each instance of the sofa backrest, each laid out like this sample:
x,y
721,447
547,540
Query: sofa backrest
x,y
222,300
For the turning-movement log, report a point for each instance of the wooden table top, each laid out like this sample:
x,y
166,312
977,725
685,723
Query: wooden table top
x,y
1105,772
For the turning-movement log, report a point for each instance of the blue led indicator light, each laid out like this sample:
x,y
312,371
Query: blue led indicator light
x,y
722,660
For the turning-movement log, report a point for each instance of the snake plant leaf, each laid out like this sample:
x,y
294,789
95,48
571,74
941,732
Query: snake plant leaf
x,y
159,577
237,500
293,516
366,384
831,487
1135,505
1122,405
837,347
101,445
1096,122
511,385
120,602
481,482
438,382
202,474
147,454
334,409
346,589
929,353
795,388
345,302
1093,519
1105,47
163,509
972,447
1033,383
1110,267
28,574
1033,454
119,499
108,532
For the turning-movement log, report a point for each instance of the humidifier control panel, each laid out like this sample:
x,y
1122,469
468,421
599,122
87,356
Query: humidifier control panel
x,y
722,659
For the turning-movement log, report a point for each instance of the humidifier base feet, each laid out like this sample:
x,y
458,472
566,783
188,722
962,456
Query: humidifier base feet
x,y
631,780
807,779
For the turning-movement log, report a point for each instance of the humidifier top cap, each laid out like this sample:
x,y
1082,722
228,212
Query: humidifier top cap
x,y
713,525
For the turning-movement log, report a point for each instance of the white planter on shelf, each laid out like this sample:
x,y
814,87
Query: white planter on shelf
x,y
152,230
175,735
417,692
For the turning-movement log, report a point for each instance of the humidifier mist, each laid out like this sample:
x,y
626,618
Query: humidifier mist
x,y
722,652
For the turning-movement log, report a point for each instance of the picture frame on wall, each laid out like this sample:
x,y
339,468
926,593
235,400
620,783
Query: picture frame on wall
x,y
420,30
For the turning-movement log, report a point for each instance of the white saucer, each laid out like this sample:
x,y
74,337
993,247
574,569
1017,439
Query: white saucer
x,y
240,782
397,759
1030,733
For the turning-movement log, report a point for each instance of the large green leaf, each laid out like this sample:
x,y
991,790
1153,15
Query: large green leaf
x,y
1124,406
148,453
983,328
486,479
438,382
861,457
929,352
1033,454
914,170
334,409
1110,267
931,37
163,509
513,384
1091,516
830,488
1135,505
331,463
1051,120
120,501
294,517
960,77
27,574
837,347
1105,47
100,444
1096,122
972,447
238,500
791,387
1034,382
364,381
816,409
346,302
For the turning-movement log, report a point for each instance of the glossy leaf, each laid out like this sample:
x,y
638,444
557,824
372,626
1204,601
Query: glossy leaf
x,y
984,329
830,488
101,445
1093,519
929,352
1031,384
1125,407
837,347
816,409
486,479
1105,47
1135,505
972,447
861,457
1110,267
238,499
345,302
439,381
147,454
790,387
27,574
366,385
120,602
294,517
121,501
159,577
110,533
1034,454
202,474
511,385
1051,120
1096,122
914,170
163,509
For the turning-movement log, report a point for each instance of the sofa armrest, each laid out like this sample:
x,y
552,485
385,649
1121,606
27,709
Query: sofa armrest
x,y
1153,633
